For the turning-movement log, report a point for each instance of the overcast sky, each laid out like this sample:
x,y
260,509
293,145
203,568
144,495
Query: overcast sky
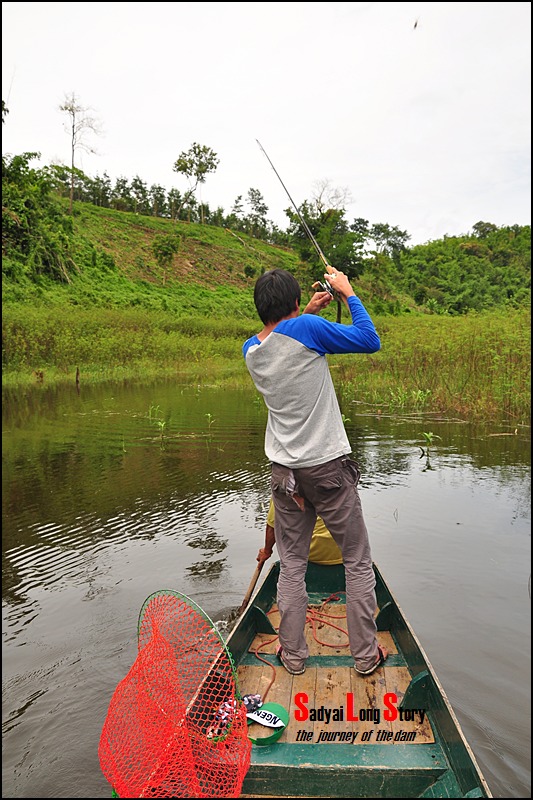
x,y
420,111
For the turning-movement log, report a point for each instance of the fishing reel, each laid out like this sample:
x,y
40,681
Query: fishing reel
x,y
325,286
320,286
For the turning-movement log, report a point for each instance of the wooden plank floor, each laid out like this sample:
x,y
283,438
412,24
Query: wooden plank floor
x,y
328,687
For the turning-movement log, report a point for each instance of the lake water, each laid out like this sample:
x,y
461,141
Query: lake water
x,y
117,491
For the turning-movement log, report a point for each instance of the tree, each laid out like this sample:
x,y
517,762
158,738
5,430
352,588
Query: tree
x,y
121,198
158,201
36,233
256,221
235,218
175,202
195,164
80,123
326,196
342,247
164,247
237,207
388,238
483,229
360,226
101,189
139,193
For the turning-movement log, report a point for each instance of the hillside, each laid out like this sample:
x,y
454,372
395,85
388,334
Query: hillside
x,y
206,254
123,259
209,270
99,255
116,295
130,297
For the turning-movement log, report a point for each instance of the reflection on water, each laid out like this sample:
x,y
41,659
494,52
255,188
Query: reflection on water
x,y
118,491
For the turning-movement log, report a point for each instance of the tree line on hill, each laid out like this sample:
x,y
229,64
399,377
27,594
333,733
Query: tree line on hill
x,y
489,268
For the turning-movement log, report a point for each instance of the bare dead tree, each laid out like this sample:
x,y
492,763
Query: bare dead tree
x,y
326,196
79,125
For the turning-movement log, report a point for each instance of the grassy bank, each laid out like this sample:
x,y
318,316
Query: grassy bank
x,y
472,367
124,314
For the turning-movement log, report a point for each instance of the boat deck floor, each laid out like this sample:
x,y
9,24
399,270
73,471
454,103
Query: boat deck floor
x,y
330,691
347,734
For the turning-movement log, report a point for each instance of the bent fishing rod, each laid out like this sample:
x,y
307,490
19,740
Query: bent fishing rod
x,y
327,286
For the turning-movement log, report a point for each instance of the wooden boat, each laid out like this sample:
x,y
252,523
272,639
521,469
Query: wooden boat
x,y
390,734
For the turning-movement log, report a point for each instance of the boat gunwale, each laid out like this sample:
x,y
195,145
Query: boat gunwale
x,y
444,720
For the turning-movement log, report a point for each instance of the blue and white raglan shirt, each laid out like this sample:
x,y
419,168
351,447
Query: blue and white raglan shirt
x,y
305,427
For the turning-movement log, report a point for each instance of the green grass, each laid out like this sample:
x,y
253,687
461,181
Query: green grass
x,y
123,316
473,367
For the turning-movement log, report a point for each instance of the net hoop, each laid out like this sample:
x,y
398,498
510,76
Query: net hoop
x,y
176,725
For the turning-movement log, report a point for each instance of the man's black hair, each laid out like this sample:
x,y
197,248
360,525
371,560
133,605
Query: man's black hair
x,y
275,295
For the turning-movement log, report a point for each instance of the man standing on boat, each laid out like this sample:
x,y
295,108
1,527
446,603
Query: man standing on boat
x,y
306,443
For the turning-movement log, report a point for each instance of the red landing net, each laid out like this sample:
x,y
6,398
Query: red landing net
x,y
176,725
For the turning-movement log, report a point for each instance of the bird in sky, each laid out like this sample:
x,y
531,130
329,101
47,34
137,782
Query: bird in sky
x,y
416,23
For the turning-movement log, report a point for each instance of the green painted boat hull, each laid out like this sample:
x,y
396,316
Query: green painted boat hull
x,y
445,767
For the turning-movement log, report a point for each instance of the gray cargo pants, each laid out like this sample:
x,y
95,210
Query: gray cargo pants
x,y
329,490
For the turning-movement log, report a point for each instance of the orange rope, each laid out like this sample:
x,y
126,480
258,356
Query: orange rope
x,y
314,617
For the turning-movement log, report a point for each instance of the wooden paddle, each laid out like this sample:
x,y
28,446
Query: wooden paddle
x,y
251,587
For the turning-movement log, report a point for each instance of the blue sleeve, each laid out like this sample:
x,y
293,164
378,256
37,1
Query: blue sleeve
x,y
323,336
248,343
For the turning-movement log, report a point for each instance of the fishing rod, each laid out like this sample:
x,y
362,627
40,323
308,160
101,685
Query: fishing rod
x,y
326,287
302,220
